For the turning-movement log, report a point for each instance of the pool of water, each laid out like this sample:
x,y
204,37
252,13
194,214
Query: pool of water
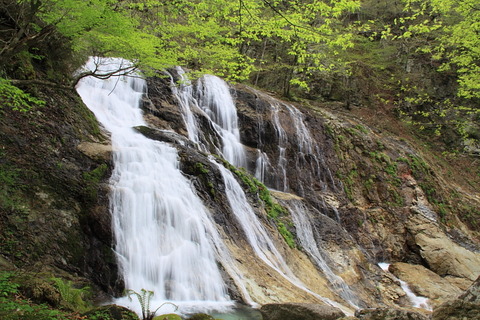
x,y
240,313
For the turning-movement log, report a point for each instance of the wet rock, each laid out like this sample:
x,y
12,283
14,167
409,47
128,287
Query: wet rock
x,y
425,283
466,306
389,314
300,311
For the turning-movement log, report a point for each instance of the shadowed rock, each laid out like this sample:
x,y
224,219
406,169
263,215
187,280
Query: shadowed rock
x,y
300,311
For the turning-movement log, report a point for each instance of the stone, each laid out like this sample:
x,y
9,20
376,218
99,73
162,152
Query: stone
x,y
111,312
443,255
466,306
389,314
300,311
96,151
425,282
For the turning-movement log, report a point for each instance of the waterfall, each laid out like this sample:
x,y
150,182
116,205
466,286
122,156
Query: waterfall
x,y
305,234
213,100
184,93
282,184
416,301
261,166
165,240
258,237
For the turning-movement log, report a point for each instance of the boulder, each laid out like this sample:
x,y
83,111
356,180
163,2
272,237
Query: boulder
x,y
389,314
425,283
466,306
96,151
443,255
300,311
111,312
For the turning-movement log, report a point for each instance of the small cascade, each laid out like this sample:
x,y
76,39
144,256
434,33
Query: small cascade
x,y
213,100
163,233
216,101
282,183
261,166
304,154
183,90
305,234
258,237
416,301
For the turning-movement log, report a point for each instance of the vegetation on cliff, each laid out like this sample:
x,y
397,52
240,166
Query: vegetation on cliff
x,y
416,59
380,61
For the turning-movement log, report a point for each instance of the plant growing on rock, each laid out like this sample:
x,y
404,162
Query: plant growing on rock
x,y
144,297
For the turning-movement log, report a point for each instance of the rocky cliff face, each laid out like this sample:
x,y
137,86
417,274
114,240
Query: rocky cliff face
x,y
54,193
364,197
370,197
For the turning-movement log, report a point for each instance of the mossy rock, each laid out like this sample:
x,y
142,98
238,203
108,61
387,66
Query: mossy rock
x,y
170,316
41,291
110,312
201,316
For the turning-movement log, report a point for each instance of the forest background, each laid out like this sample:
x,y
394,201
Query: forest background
x,y
415,60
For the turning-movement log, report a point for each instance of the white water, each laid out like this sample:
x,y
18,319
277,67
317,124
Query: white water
x,y
305,234
217,102
165,239
261,166
184,93
258,237
416,301
281,184
211,98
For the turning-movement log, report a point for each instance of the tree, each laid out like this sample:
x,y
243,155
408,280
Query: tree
x,y
96,27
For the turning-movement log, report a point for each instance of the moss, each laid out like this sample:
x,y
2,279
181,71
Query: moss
x,y
200,168
286,234
170,316
201,316
273,209
328,130
92,180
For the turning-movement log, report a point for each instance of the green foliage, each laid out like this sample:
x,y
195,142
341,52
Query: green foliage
x,y
14,307
16,99
170,316
93,178
199,167
286,234
72,298
144,297
274,210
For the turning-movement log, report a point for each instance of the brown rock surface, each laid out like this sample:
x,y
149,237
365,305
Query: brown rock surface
x,y
444,256
389,314
466,306
425,283
300,311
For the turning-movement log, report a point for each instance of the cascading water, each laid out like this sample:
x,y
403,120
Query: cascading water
x,y
261,166
258,237
417,301
165,240
305,234
282,184
212,97
184,93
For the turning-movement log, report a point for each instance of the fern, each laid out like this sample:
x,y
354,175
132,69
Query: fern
x,y
144,298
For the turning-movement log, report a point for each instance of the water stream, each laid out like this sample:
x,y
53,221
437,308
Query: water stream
x,y
213,100
163,233
258,237
305,234
416,301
